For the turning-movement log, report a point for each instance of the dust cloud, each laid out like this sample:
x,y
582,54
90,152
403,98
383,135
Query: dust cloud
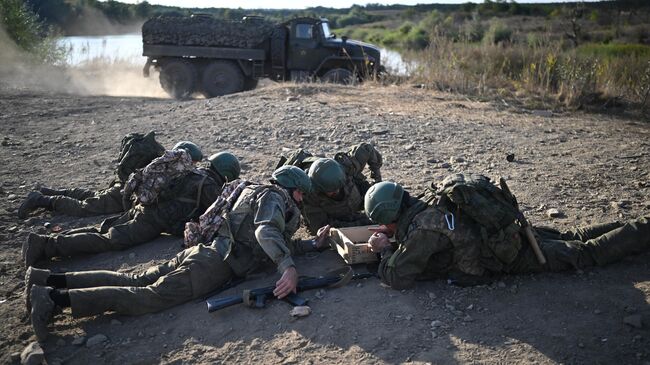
x,y
20,70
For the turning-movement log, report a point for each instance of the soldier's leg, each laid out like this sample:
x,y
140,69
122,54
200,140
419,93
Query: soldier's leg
x,y
75,193
107,201
140,229
586,233
630,238
96,278
560,256
200,272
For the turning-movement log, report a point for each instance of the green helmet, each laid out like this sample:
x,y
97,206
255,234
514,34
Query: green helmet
x,y
191,148
327,175
226,164
382,202
292,177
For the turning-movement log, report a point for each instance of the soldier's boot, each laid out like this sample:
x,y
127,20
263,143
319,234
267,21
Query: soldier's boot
x,y
42,310
51,192
34,200
629,239
33,249
34,276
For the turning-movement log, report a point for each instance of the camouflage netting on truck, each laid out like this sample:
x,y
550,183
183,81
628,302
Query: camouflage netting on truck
x,y
206,31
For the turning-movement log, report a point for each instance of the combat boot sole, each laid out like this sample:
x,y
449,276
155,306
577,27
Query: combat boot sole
x,y
42,310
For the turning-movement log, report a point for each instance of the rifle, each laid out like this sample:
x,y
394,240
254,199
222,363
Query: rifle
x,y
257,297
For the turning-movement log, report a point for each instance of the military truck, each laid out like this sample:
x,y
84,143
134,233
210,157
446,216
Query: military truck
x,y
202,54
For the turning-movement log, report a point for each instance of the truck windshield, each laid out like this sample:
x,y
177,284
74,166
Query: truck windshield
x,y
326,30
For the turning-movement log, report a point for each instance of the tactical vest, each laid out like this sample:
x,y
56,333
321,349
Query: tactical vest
x,y
236,240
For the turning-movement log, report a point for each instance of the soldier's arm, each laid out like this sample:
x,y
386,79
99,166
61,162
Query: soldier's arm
x,y
366,154
314,217
269,221
401,268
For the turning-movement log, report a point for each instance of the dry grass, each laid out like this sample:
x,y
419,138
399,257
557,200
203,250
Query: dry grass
x,y
542,74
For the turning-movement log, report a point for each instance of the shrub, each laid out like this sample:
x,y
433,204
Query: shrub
x,y
28,33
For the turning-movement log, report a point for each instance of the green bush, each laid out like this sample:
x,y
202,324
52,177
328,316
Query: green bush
x,y
28,33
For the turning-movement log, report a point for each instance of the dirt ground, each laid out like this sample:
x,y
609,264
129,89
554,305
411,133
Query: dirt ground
x,y
592,168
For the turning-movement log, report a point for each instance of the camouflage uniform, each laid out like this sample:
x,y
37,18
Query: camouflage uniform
x,y
143,223
259,230
346,209
428,249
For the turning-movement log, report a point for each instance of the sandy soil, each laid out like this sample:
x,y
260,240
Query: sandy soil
x,y
591,168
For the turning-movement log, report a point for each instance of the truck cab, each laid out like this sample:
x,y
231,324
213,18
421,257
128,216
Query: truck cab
x,y
313,52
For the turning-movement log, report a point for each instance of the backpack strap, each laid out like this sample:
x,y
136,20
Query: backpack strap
x,y
197,201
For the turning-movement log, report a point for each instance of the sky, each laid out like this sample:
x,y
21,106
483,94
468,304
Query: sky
x,y
302,4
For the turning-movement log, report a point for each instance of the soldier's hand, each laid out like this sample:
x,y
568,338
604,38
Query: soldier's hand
x,y
378,241
321,236
389,231
287,283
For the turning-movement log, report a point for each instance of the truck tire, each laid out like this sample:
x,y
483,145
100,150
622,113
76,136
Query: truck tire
x,y
338,76
221,78
250,83
178,78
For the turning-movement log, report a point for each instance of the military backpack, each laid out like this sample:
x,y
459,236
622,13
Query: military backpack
x,y
492,207
299,158
137,151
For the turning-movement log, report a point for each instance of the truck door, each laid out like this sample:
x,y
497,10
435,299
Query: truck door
x,y
305,49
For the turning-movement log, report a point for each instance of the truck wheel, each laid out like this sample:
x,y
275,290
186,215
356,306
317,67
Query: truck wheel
x,y
178,78
338,76
250,83
221,78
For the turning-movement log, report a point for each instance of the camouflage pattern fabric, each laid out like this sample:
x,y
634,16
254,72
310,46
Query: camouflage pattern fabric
x,y
146,184
206,31
211,220
346,209
356,159
429,249
259,229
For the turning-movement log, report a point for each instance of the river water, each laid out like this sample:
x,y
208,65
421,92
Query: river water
x,y
128,48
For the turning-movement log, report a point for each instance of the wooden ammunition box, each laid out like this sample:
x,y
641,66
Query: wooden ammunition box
x,y
352,244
